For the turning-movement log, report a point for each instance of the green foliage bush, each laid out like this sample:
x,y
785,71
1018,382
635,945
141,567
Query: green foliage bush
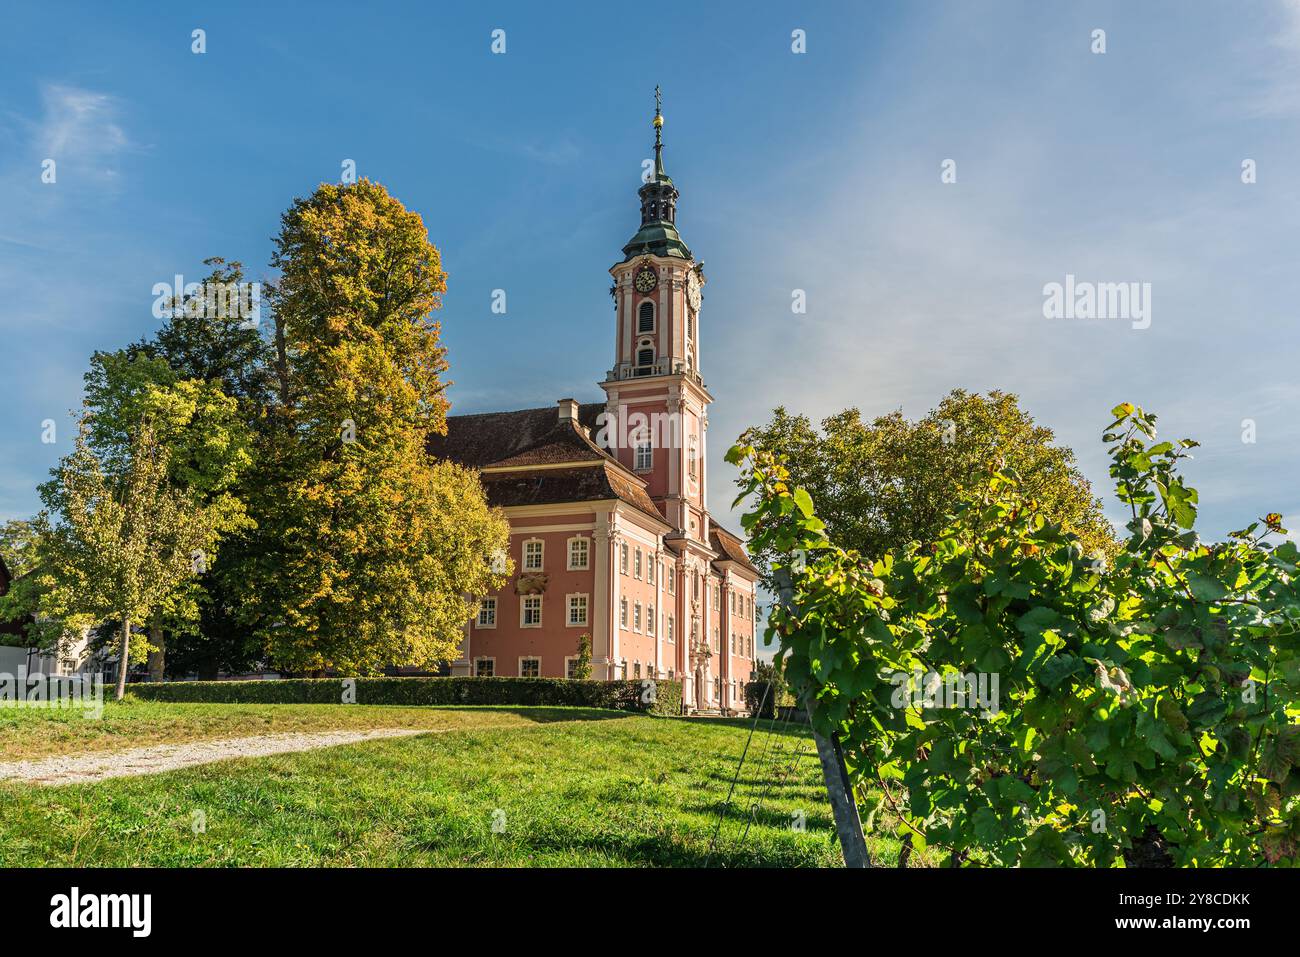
x,y
1147,707
758,694
616,695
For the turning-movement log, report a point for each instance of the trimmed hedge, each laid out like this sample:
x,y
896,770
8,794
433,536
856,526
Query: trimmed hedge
x,y
615,695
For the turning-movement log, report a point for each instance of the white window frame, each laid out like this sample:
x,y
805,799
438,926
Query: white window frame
x,y
622,559
479,660
536,658
568,610
484,605
650,619
569,662
585,550
636,617
636,564
668,622
645,457
523,611
622,613
541,555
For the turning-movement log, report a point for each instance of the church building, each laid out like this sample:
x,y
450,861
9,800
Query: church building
x,y
611,535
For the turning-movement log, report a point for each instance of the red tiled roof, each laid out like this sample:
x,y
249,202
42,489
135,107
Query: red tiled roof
x,y
730,547
494,438
524,440
557,486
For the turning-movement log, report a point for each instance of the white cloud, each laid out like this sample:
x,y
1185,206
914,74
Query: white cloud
x,y
80,128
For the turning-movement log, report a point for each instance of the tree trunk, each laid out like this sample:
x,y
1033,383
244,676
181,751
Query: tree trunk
x,y
157,649
125,662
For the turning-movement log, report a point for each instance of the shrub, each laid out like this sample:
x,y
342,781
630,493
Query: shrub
x,y
766,688
616,695
1145,709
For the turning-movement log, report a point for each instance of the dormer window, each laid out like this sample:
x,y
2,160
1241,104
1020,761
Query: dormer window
x,y
646,317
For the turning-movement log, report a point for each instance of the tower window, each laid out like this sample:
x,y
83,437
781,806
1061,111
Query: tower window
x,y
645,360
646,317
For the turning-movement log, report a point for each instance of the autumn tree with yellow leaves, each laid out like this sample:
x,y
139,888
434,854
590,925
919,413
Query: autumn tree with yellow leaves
x,y
367,552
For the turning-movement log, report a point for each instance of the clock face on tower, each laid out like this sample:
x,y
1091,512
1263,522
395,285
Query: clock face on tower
x,y
646,279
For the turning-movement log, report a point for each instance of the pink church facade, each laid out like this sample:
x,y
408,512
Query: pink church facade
x,y
611,535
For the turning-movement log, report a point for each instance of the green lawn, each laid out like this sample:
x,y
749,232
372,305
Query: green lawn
x,y
27,733
572,787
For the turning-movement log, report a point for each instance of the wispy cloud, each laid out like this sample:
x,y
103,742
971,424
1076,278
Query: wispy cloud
x,y
80,128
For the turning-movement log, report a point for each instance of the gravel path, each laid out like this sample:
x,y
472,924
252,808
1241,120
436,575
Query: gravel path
x,y
79,768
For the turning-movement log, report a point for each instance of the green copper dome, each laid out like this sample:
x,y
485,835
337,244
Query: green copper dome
x,y
658,234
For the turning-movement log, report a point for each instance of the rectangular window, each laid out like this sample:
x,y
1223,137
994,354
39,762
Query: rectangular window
x,y
577,610
579,554
645,457
650,619
570,667
636,669
622,559
669,633
650,567
530,667
672,582
484,667
636,617
532,556
636,565
487,613
530,611
733,602
622,612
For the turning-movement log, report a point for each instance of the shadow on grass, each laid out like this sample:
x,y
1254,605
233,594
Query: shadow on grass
x,y
542,714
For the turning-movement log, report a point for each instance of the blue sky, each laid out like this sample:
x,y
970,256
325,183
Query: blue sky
x,y
817,171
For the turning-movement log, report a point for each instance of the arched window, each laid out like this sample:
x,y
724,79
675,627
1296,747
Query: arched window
x,y
645,321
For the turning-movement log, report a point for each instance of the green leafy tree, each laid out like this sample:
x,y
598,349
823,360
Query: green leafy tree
x,y
766,690
1142,710
367,551
882,484
118,544
208,449
227,350
17,538
582,666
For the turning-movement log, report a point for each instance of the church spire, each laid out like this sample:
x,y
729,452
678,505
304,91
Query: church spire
x,y
658,235
659,142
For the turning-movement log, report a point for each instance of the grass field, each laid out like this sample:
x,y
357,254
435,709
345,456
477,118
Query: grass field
x,y
27,733
564,787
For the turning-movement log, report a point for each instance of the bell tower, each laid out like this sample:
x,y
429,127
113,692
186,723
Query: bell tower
x,y
655,391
